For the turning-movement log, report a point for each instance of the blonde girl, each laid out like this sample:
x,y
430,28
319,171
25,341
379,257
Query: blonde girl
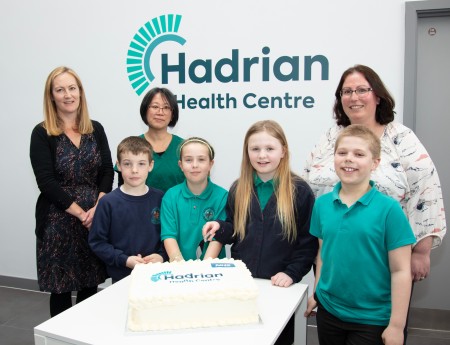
x,y
268,211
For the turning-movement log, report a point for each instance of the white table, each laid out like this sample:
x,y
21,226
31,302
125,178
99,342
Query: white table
x,y
101,319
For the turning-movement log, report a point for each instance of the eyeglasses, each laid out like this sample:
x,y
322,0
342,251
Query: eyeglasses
x,y
165,109
360,92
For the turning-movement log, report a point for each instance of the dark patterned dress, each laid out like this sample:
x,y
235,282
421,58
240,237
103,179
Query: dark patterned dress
x,y
64,260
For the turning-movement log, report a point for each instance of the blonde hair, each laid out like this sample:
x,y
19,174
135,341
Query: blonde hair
x,y
283,183
52,123
365,134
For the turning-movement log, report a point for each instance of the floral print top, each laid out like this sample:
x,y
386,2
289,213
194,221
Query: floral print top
x,y
406,173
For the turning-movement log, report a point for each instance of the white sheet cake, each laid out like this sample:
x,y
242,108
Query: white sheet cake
x,y
191,294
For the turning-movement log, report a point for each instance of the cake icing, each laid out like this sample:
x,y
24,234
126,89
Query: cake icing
x,y
191,294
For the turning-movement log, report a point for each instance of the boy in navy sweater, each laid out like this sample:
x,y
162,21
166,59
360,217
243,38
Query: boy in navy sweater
x,y
126,228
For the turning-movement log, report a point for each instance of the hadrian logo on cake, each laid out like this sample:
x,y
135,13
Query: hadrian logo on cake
x,y
235,69
171,277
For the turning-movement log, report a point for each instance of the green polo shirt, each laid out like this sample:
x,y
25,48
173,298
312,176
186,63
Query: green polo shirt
x,y
183,215
264,190
355,279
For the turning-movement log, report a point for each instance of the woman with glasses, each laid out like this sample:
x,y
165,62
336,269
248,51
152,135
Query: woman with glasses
x,y
159,110
406,171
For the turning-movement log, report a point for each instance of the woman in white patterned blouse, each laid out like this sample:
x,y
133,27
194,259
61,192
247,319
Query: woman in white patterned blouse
x,y
406,171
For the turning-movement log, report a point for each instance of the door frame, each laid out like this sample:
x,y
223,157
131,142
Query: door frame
x,y
413,11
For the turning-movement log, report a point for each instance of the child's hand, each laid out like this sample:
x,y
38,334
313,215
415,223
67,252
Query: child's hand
x,y
392,335
213,250
153,258
312,303
281,279
134,260
209,230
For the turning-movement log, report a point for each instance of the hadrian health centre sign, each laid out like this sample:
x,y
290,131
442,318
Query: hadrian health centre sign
x,y
234,69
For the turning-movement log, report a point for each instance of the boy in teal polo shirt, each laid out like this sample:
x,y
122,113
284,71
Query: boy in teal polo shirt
x,y
188,206
363,277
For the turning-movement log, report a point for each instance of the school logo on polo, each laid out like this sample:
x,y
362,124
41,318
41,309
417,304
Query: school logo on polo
x,y
208,214
153,33
155,216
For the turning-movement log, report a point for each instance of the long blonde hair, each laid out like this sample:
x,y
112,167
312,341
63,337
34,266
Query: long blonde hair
x,y
283,183
52,123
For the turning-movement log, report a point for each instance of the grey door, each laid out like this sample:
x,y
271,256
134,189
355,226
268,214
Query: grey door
x,y
432,125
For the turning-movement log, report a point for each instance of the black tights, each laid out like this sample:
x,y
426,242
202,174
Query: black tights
x,y
63,301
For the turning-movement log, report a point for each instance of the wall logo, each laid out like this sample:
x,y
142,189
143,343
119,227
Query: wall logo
x,y
155,32
248,71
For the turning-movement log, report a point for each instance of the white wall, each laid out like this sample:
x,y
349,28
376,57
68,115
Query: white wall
x,y
93,37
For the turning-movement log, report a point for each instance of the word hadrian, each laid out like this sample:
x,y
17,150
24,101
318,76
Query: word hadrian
x,y
249,100
248,69
192,276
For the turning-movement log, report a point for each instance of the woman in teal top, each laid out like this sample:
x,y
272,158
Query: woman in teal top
x,y
159,110
166,172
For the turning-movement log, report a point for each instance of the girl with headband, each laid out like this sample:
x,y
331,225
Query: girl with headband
x,y
189,205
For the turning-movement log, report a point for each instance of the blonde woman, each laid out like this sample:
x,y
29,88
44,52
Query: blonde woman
x,y
72,163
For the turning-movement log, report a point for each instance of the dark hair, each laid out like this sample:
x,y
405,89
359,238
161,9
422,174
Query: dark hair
x,y
384,113
168,96
135,145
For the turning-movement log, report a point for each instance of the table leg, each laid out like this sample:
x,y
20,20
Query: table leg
x,y
300,321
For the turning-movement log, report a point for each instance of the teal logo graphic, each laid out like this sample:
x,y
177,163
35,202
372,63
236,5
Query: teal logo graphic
x,y
155,32
158,276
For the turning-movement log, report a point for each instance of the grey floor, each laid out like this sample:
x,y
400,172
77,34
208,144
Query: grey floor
x,y
22,310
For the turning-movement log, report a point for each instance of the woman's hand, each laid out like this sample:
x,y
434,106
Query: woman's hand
x,y
420,259
87,222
